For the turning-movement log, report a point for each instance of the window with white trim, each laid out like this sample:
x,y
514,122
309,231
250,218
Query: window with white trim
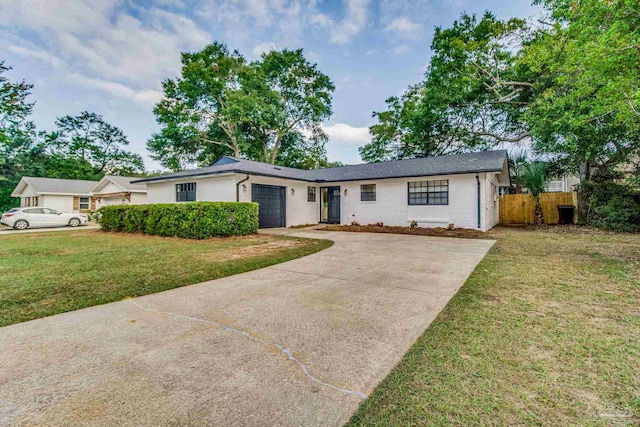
x,y
429,192
84,203
186,192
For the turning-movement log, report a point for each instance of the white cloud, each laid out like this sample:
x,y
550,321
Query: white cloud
x,y
99,38
347,134
404,28
239,21
261,48
36,53
354,21
400,49
142,96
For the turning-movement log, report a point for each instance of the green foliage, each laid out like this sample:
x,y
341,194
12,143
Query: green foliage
x,y
196,220
89,138
569,84
222,105
83,147
613,205
534,178
472,96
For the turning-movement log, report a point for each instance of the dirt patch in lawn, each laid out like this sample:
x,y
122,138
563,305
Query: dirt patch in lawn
x,y
418,231
259,249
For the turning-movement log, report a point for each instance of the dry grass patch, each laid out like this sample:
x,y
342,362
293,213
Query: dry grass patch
x,y
545,331
49,273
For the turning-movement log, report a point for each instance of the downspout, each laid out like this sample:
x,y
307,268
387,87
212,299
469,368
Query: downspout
x,y
238,188
478,182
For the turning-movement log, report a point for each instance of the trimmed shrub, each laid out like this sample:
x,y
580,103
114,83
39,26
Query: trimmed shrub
x,y
195,220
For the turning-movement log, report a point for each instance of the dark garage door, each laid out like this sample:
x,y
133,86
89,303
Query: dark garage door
x,y
272,204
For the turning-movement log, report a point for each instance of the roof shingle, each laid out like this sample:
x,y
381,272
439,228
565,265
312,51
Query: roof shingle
x,y
483,161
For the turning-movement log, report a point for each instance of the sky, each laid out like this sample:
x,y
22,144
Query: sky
x,y
110,56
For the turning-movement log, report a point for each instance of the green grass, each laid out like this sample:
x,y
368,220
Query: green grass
x,y
545,331
48,273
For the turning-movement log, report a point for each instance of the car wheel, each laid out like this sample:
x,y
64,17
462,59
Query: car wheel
x,y
74,222
21,224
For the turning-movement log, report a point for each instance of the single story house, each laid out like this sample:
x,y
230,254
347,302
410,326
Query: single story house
x,y
74,195
458,189
118,190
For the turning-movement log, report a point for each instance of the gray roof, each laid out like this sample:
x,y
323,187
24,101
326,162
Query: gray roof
x,y
126,182
483,161
60,186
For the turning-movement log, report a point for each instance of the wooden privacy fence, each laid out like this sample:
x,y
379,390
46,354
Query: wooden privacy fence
x,y
519,208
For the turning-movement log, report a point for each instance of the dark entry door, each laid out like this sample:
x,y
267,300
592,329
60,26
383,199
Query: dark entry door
x,y
330,205
272,201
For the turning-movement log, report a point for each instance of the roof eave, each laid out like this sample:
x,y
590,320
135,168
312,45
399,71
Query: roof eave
x,y
411,176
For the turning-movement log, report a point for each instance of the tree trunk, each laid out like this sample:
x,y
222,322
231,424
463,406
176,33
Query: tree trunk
x,y
583,203
538,217
236,150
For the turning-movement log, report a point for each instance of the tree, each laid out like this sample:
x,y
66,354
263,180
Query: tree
x,y
534,178
224,105
16,136
202,112
293,96
473,95
568,86
90,139
590,112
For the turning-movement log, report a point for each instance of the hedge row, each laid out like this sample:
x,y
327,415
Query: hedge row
x,y
196,220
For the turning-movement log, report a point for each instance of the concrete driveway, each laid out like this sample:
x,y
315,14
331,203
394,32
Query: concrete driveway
x,y
299,343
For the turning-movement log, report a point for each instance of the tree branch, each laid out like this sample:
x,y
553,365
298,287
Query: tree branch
x,y
502,138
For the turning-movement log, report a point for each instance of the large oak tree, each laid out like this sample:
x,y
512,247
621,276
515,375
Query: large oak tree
x,y
222,104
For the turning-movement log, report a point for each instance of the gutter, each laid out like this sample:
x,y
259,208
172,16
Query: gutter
x,y
478,197
238,188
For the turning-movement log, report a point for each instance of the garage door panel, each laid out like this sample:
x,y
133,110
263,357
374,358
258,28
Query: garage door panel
x,y
272,203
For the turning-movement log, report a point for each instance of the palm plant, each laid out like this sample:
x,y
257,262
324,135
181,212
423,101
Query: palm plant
x,y
534,178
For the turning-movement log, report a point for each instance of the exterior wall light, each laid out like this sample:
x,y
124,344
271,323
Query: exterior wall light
x,y
293,192
244,188
345,191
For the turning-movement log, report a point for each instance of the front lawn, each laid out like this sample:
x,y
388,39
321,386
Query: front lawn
x,y
545,331
48,273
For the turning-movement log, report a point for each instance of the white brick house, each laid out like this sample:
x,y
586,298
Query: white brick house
x,y
460,189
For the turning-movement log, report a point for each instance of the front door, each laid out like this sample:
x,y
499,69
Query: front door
x,y
330,205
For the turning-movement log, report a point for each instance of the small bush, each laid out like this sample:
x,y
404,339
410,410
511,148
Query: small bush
x,y
196,220
355,223
413,224
379,224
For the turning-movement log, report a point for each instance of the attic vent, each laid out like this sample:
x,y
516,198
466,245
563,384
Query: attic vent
x,y
277,168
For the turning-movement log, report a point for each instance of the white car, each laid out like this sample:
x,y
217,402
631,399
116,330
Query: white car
x,y
23,218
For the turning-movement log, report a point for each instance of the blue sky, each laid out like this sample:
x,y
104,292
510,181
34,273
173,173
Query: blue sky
x,y
110,56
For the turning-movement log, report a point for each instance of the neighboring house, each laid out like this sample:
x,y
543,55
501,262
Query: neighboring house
x,y
65,195
118,190
74,195
563,184
459,189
